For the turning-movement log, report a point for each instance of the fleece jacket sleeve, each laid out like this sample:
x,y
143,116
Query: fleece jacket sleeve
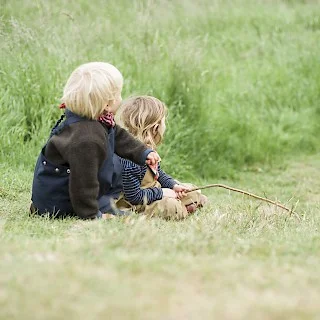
x,y
128,147
85,158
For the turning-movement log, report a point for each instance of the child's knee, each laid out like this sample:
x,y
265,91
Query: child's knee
x,y
173,209
193,197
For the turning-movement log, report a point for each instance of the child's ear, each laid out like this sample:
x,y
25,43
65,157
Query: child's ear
x,y
155,129
108,106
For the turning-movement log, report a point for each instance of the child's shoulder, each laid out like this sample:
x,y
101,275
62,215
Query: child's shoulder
x,y
90,124
129,165
81,134
91,130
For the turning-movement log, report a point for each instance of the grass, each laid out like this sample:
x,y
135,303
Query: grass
x,y
236,259
241,80
240,77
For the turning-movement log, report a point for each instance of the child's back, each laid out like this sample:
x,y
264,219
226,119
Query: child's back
x,y
77,172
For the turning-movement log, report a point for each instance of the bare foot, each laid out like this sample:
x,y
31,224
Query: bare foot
x,y
191,208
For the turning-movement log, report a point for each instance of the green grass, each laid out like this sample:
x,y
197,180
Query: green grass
x,y
241,78
236,259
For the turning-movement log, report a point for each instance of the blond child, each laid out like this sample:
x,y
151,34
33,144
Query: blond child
x,y
147,188
77,172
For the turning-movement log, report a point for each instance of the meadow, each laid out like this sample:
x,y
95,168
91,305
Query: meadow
x,y
241,82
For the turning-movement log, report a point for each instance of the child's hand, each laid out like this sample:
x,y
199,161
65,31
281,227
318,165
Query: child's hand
x,y
153,158
180,190
169,193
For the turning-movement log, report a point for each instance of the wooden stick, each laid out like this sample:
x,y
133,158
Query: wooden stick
x,y
244,192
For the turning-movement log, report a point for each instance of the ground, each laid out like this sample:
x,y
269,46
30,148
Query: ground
x,y
236,259
241,82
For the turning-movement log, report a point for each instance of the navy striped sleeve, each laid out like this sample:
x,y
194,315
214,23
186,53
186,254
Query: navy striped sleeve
x,y
132,176
165,180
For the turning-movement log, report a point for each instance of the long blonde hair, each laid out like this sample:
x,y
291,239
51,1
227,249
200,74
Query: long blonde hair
x,y
91,87
140,115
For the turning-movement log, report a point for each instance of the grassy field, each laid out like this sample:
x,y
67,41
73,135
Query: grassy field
x,y
241,81
240,78
236,259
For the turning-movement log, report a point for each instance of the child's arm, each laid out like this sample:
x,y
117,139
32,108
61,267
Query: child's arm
x,y
165,180
168,182
85,160
126,146
85,154
132,176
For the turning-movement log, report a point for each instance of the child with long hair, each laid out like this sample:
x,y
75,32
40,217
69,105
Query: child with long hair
x,y
147,188
77,172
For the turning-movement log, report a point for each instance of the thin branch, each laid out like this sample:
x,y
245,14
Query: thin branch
x,y
218,185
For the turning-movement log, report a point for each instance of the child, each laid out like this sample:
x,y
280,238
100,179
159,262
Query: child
x,y
147,188
77,172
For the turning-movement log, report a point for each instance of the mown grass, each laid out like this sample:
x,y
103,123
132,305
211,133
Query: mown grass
x,y
236,259
240,77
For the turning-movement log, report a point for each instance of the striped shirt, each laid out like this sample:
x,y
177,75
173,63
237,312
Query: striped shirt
x,y
132,176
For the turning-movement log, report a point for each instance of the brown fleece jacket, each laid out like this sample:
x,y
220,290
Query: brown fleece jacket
x,y
83,146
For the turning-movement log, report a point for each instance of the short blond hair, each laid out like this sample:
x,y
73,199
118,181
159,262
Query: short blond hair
x,y
140,114
91,87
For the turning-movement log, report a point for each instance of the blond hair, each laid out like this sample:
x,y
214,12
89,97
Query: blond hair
x,y
91,87
140,115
